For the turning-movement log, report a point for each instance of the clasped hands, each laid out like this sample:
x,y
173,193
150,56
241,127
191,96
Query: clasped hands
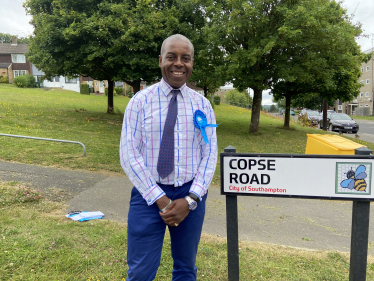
x,y
175,212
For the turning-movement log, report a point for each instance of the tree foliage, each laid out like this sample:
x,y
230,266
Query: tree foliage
x,y
238,98
290,46
7,38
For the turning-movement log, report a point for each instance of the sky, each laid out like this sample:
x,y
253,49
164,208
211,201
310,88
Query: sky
x,y
13,20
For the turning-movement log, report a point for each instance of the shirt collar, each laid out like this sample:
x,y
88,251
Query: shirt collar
x,y
166,88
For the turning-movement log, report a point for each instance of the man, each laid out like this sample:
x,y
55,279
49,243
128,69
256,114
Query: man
x,y
171,166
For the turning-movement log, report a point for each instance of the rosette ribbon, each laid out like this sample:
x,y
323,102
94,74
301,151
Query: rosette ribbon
x,y
200,122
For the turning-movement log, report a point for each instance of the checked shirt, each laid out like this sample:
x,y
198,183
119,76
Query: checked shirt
x,y
141,136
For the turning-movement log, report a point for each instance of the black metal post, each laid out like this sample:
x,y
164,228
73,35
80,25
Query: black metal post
x,y
359,234
232,231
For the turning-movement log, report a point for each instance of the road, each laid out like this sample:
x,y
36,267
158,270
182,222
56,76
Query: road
x,y
366,132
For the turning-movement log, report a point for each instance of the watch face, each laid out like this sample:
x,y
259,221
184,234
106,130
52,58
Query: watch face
x,y
193,205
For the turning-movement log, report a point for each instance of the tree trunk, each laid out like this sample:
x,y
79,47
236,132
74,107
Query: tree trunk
x,y
110,97
287,112
324,115
205,92
256,108
136,86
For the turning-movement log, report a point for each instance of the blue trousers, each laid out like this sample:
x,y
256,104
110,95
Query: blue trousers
x,y
145,236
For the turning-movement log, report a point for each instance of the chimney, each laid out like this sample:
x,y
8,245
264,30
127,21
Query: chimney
x,y
14,40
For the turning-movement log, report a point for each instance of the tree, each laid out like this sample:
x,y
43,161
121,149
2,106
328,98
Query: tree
x,y
7,38
273,108
97,38
271,44
238,98
321,61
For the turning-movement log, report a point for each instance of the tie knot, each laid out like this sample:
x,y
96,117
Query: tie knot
x,y
175,92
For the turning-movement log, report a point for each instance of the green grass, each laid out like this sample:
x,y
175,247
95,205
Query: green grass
x,y
362,117
67,115
38,243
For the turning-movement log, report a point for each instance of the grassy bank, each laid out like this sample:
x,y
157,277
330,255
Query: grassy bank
x,y
38,243
61,114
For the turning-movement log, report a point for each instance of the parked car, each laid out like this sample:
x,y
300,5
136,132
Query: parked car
x,y
292,112
313,116
302,112
341,122
321,117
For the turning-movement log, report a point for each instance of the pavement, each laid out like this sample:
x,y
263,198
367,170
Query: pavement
x,y
303,223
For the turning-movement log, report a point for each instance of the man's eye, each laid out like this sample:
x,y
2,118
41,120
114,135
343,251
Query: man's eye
x,y
169,57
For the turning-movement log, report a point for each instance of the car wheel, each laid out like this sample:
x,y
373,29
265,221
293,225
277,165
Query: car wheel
x,y
354,132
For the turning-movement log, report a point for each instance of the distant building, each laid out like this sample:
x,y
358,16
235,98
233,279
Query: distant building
x,y
222,90
13,61
364,103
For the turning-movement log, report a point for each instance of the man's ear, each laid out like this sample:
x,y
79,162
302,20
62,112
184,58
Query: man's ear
x,y
159,60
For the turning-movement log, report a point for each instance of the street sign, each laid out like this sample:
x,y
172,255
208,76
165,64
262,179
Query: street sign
x,y
312,176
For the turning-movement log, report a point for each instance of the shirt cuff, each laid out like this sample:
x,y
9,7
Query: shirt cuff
x,y
154,194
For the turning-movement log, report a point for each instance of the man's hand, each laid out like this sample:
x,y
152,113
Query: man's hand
x,y
176,212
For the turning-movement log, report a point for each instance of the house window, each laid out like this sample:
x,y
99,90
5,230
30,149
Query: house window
x,y
360,105
362,81
368,68
366,94
340,107
362,69
71,81
19,73
366,105
18,58
361,95
367,81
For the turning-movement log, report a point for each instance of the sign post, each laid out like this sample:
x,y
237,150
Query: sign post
x,y
232,231
341,177
359,234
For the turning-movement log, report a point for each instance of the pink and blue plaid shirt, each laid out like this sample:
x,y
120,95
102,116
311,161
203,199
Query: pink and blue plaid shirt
x,y
141,135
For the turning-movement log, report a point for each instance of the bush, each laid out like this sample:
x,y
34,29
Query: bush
x,y
4,80
84,90
21,81
31,82
106,92
217,100
119,90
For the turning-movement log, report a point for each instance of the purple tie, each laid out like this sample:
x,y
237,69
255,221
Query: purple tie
x,y
165,164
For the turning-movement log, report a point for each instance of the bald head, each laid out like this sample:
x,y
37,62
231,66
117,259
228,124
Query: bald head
x,y
176,37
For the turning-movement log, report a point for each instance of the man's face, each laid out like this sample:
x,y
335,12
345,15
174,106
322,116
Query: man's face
x,y
176,62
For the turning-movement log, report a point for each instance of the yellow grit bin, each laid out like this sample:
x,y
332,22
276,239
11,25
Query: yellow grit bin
x,y
330,144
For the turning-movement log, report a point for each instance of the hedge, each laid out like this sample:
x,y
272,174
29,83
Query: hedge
x,y
85,89
217,100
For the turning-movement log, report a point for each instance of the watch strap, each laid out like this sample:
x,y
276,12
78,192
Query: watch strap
x,y
194,197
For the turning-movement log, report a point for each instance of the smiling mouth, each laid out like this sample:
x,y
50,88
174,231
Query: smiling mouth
x,y
179,73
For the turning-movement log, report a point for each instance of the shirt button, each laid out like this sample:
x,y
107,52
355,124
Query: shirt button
x,y
149,200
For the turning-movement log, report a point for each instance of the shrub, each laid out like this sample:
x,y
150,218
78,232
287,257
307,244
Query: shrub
x,y
84,89
217,100
21,81
114,92
119,90
31,82
4,80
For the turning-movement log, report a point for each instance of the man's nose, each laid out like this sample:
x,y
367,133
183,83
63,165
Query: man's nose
x,y
178,62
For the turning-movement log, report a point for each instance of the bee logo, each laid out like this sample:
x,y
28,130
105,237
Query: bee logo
x,y
355,179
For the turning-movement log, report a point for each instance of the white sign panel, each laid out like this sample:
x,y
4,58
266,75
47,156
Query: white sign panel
x,y
309,176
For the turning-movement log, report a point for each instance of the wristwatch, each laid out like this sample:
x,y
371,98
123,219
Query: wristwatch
x,y
192,203
194,197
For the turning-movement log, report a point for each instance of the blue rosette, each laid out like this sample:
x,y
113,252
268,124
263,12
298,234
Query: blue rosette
x,y
200,122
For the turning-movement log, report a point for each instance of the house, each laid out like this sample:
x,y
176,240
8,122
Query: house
x,y
57,81
13,61
364,103
222,90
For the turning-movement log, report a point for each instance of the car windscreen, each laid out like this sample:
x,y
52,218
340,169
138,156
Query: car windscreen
x,y
340,117
313,113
